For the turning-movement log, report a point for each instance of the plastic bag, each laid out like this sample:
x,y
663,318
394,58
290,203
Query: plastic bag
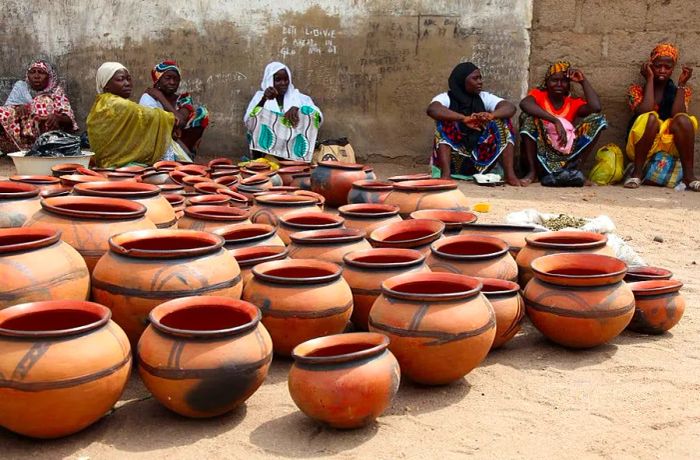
x,y
564,178
609,165
663,169
55,144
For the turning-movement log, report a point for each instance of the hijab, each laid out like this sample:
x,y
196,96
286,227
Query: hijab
x,y
22,93
105,73
460,100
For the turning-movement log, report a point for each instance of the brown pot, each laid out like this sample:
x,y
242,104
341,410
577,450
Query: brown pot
x,y
209,188
249,235
416,234
208,200
369,191
227,180
87,222
328,245
301,221
300,300
221,161
146,268
286,173
579,300
301,180
453,220
439,325
415,195
64,364
237,200
506,301
512,234
646,273
268,208
369,217
177,202
473,255
366,270
407,177
71,180
249,257
659,305
223,354
18,202
64,168
208,218
154,177
166,165
172,188
333,180
42,182
344,380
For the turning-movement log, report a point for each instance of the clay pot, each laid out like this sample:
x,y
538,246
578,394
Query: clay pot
x,y
146,268
249,235
546,243
135,170
415,195
514,235
166,165
208,218
42,182
236,199
646,273
659,305
407,177
473,255
58,190
269,207
172,188
369,217
209,188
453,220
282,189
64,364
223,354
579,300
508,305
328,245
344,380
320,199
71,180
177,202
416,234
116,176
439,325
289,163
300,300
301,180
249,257
369,173
158,209
155,177
333,180
209,200
64,168
369,191
190,181
229,169
366,270
18,202
193,170
227,180
255,167
286,173
87,222
254,184
300,221
221,161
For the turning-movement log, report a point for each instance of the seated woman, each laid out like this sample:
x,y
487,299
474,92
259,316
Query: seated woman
x,y
473,128
547,122
280,120
121,131
164,95
35,105
661,129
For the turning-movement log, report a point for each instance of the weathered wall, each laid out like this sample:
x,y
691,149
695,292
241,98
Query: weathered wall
x,y
371,65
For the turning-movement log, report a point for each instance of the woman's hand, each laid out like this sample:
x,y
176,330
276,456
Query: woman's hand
x,y
647,71
561,132
52,122
292,115
686,74
22,110
577,76
270,93
155,93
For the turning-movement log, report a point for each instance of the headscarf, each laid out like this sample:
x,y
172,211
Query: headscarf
x,y
460,100
559,66
105,73
665,50
49,69
163,67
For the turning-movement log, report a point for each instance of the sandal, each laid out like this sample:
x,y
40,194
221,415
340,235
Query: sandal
x,y
694,186
633,182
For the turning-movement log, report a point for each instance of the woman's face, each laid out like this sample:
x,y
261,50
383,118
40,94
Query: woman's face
x,y
559,84
662,67
474,82
120,84
38,79
169,82
280,81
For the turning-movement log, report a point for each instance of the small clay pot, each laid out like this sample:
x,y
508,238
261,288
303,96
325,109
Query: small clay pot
x,y
64,168
249,235
333,180
369,191
328,245
18,202
208,218
209,188
227,180
135,170
208,200
190,181
233,170
289,163
300,300
453,220
512,234
70,180
177,202
166,165
659,305
220,161
344,380
249,257
155,177
223,354
416,234
415,195
287,172
646,273
42,182
369,217
236,200
300,221
508,305
58,190
268,208
116,176
473,255
193,170
407,177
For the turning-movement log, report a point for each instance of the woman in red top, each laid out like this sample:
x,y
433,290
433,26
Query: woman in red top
x,y
551,103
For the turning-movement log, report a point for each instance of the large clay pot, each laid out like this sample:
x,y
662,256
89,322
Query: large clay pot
x,y
659,305
414,195
249,235
209,188
366,270
579,300
439,324
287,172
42,182
301,221
268,208
369,191
37,265
254,184
453,220
473,255
416,234
208,218
368,216
18,202
301,180
333,179
508,305
249,257
546,243
512,234
646,273
64,365
204,356
87,222
146,268
328,245
344,380
300,300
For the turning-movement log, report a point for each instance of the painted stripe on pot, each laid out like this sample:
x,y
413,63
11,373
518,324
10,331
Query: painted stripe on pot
x,y
265,308
594,314
120,290
230,370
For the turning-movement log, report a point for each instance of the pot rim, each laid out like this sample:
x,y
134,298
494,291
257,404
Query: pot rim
x,y
166,165
435,247
425,185
201,186
507,287
210,199
260,269
373,184
333,221
405,177
597,240
342,235
503,227
134,210
139,190
172,188
73,179
390,210
44,237
423,240
227,180
269,200
255,180
24,190
472,286
351,258
275,253
235,196
449,224
56,190
199,212
655,287
220,161
104,313
650,272
579,280
174,199
35,179
269,231
341,165
215,243
300,353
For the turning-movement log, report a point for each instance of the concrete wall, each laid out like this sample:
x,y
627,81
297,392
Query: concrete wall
x,y
371,65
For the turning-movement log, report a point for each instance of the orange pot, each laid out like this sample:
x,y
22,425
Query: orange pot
x,y
407,177
646,273
254,184
366,270
177,202
512,234
579,300
413,195
333,180
71,180
222,354
193,170
229,169
416,234
344,380
287,163
249,257
369,217
165,165
439,325
42,182
18,202
249,235
300,221
235,199
208,200
473,255
221,161
300,300
64,364
369,191
209,188
65,168
146,268
453,220
659,305
154,177
268,208
208,218
328,245
177,189
506,301
116,176
227,180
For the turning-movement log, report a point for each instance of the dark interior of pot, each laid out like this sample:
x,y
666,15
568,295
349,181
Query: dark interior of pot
x,y
576,271
431,287
311,220
299,272
206,318
341,349
10,240
167,243
568,239
238,234
218,214
257,253
408,235
381,259
95,207
470,248
50,320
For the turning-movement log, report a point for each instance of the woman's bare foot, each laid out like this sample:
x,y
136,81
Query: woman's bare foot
x,y
512,180
527,180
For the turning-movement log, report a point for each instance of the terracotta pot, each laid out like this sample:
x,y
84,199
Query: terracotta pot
x,y
193,170
333,180
87,222
579,300
256,167
115,176
473,255
177,176
514,235
288,163
64,168
209,200
300,300
301,180
286,173
221,161
407,177
328,245
64,364
58,190
70,180
97,172
154,177
223,354
300,221
190,181
366,270
229,169
146,268
282,189
415,195
269,208
208,218
227,180
344,380
254,184
416,234
165,165
249,257
369,173
177,202
42,182
546,243
18,202
172,188
659,305
249,235
135,170
506,301
237,200
369,191
439,325
646,273
209,188
453,220
369,217
320,199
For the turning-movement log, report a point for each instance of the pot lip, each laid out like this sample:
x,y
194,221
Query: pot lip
x,y
596,240
425,185
351,258
301,351
44,237
56,190
216,242
24,190
200,212
293,169
199,186
235,196
104,313
35,179
329,236
390,210
649,272
504,227
138,190
209,200
405,177
174,199
508,287
252,181
655,287
192,302
373,184
285,201
220,161
333,221
269,231
81,178
472,286
557,277
426,239
276,253
341,165
226,180
260,269
53,206
166,165
155,172
449,224
436,247
170,187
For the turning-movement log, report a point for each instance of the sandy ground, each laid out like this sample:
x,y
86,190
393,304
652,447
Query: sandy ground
x,y
637,397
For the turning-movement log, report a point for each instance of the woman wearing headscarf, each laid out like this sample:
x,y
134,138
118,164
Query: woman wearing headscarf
x,y
550,138
661,130
121,131
473,128
280,119
192,120
35,105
